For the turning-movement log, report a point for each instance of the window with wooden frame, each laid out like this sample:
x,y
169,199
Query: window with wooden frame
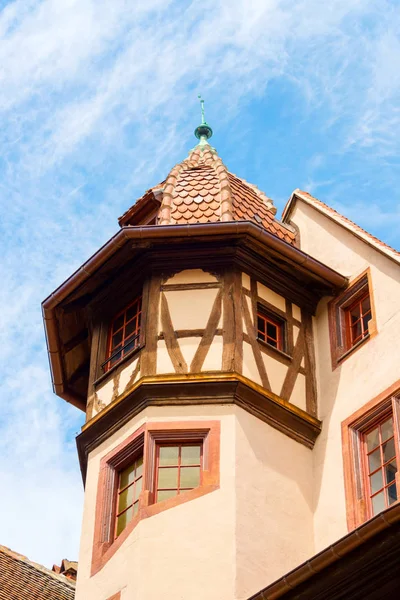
x,y
178,469
371,458
130,483
159,466
124,334
380,464
351,319
270,329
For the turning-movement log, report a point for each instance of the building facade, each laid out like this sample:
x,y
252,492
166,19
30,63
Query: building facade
x,y
239,376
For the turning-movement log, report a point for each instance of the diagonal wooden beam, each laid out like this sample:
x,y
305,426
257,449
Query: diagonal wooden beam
x,y
208,335
171,340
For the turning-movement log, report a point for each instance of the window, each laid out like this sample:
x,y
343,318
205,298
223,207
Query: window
x,y
124,333
270,329
358,316
130,481
178,469
159,466
371,456
380,465
351,319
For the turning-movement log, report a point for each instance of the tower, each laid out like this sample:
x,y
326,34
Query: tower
x,y
188,340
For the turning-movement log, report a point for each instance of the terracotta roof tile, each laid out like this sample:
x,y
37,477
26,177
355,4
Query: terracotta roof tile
x,y
201,190
24,580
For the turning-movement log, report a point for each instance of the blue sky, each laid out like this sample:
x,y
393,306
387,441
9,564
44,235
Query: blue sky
x,y
98,100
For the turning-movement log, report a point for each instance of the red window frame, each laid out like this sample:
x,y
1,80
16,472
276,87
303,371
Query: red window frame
x,y
178,489
135,497
380,472
353,339
123,334
262,334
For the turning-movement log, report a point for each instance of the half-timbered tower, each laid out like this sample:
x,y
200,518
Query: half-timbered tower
x,y
206,342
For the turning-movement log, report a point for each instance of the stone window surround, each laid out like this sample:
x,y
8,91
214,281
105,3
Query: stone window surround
x,y
337,317
353,429
146,438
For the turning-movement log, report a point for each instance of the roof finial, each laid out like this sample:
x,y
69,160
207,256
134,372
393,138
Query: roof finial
x,y
203,132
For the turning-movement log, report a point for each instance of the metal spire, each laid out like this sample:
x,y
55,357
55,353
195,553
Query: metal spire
x,y
203,132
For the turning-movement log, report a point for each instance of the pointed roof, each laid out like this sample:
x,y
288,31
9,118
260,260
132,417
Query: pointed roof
x,y
200,189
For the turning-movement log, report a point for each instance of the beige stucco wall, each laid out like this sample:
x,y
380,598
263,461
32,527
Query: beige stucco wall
x,y
274,521
225,545
364,375
185,552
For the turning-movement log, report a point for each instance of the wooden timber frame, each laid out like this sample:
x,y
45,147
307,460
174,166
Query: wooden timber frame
x,y
150,250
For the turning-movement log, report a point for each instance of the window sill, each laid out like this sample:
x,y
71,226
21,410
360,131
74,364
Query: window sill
x,y
118,366
278,352
348,352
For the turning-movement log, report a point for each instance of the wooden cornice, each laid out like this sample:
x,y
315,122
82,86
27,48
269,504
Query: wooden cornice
x,y
205,388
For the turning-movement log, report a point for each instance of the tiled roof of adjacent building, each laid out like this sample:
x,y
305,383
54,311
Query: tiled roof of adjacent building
x,y
200,189
341,220
21,579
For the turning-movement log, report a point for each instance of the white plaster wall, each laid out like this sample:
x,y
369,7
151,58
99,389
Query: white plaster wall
x,y
274,530
270,296
192,276
364,375
185,552
190,309
105,391
250,369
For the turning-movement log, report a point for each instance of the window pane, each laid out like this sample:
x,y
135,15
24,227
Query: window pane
x,y
387,429
127,476
136,508
168,478
131,312
378,503
272,342
163,495
376,482
130,344
138,488
374,460
139,466
118,323
366,320
125,498
115,358
272,331
190,455
388,450
355,314
130,328
366,305
169,455
372,439
261,325
123,520
392,494
356,331
117,339
190,477
390,471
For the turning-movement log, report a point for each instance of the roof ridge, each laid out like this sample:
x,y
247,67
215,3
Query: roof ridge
x,y
375,239
23,559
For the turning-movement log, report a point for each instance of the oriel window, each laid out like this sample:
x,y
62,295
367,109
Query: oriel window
x,y
270,330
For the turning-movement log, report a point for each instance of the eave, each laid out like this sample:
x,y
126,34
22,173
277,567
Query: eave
x,y
250,245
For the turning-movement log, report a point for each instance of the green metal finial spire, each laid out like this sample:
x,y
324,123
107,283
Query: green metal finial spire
x,y
203,132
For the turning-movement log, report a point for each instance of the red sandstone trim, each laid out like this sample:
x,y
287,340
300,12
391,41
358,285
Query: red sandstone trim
x,y
146,437
352,427
116,596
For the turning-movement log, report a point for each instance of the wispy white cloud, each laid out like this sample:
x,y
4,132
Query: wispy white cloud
x,y
96,102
